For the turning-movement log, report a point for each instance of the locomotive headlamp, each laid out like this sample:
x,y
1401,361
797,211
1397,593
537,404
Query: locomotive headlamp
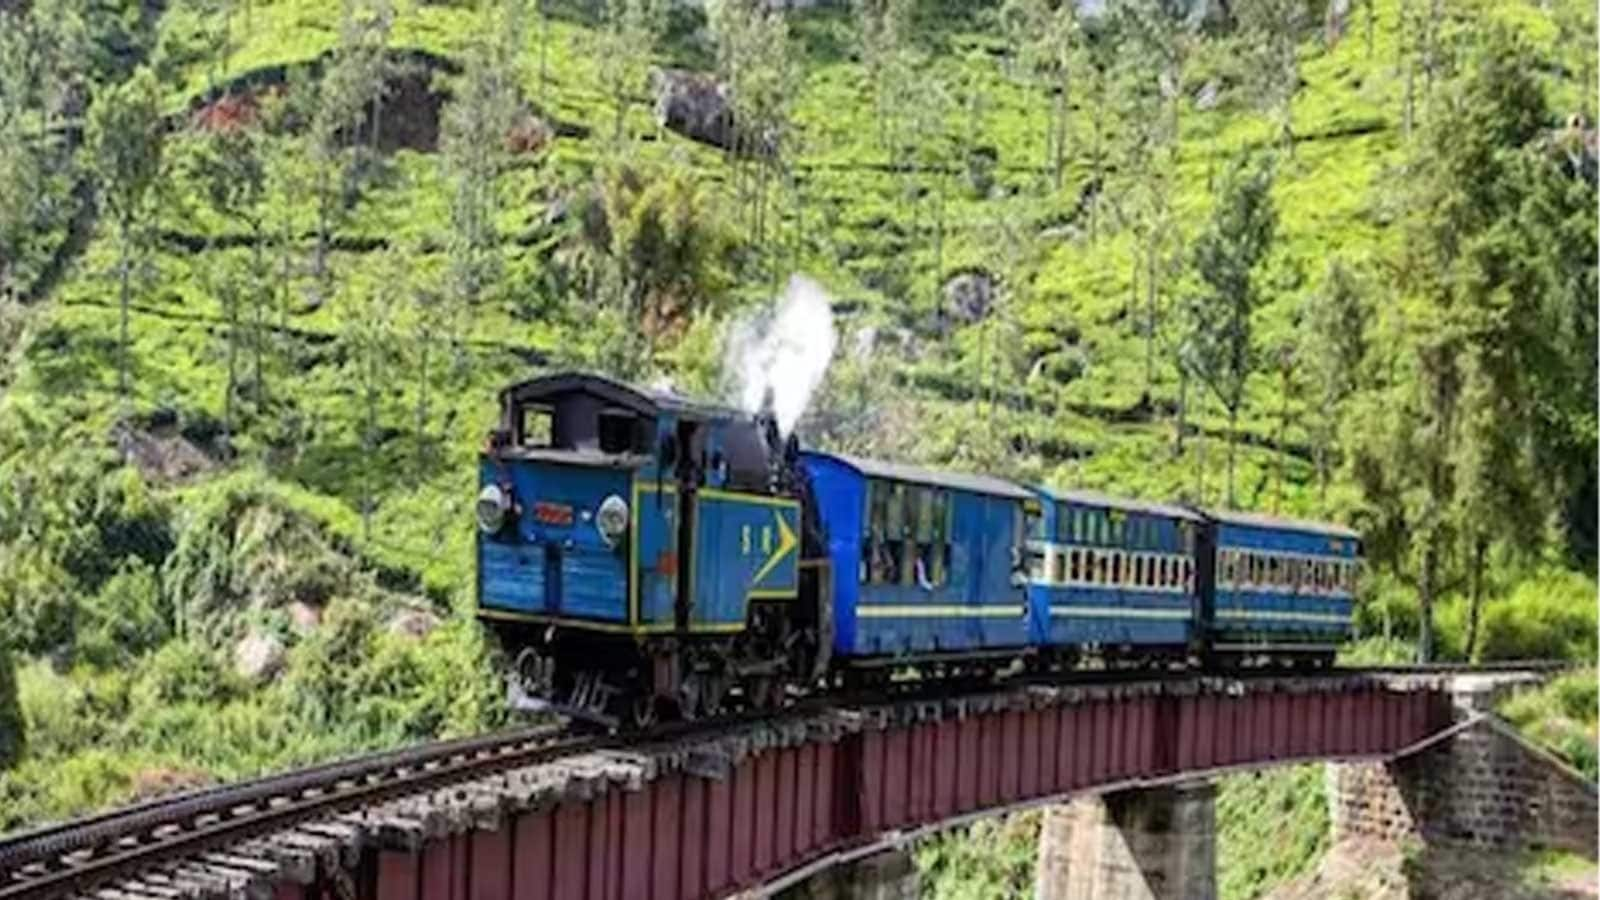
x,y
493,504
612,518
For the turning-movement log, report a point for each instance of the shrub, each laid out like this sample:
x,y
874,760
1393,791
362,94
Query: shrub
x,y
126,618
1548,616
1562,716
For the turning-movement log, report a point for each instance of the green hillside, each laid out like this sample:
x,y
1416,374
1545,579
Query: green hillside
x,y
323,291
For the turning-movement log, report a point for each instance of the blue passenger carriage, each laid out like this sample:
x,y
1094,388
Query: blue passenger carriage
x,y
923,563
1114,575
1282,587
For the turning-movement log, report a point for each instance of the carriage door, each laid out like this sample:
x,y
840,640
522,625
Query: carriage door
x,y
690,473
1200,541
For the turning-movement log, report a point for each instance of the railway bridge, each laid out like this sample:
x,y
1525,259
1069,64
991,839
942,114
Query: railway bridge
x,y
755,807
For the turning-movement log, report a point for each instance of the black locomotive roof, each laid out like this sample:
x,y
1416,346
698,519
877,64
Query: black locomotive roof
x,y
645,401
1095,498
961,481
1261,520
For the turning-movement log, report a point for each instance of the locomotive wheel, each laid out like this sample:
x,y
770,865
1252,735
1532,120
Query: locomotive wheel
x,y
711,693
643,714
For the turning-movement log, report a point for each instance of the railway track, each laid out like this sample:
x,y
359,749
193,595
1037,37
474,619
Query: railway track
x,y
75,857
58,860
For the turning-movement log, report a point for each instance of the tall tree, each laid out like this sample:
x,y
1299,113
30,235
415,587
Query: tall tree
x,y
1487,322
755,62
625,43
1146,75
235,177
125,138
1046,35
473,153
369,351
1334,322
1227,261
883,29
351,80
1272,28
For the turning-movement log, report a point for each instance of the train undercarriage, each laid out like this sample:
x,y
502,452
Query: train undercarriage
x,y
626,682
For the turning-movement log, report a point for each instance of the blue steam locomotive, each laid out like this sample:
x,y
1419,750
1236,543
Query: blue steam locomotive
x,y
643,555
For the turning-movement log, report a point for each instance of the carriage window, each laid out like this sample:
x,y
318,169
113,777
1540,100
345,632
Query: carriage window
x,y
939,564
1116,569
617,432
1058,575
537,426
879,559
895,512
922,513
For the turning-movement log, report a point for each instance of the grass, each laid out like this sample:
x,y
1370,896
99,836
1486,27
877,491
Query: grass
x,y
1271,826
1562,717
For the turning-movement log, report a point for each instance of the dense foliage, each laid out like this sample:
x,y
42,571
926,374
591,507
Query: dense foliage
x,y
1562,716
263,266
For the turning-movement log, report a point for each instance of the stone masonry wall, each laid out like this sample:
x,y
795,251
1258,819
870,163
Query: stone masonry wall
x,y
1484,787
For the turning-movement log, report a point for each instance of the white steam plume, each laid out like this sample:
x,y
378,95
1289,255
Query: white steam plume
x,y
784,350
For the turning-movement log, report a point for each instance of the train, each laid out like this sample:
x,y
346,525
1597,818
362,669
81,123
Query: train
x,y
644,556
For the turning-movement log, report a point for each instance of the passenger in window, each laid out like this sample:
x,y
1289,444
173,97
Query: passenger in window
x,y
884,567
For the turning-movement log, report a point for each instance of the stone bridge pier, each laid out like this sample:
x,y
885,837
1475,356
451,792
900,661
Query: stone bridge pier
x,y
1154,843
1478,784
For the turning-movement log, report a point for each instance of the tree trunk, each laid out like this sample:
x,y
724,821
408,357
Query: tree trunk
x,y
124,264
422,400
1372,16
1057,140
1233,445
1150,314
319,264
259,303
1278,456
1183,406
232,301
1430,566
1320,450
938,243
1475,601
544,44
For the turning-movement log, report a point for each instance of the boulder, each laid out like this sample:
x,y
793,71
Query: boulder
x,y
414,623
258,657
699,107
968,297
529,133
304,617
162,455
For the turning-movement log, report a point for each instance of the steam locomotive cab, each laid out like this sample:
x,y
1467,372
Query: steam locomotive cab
x,y
638,554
